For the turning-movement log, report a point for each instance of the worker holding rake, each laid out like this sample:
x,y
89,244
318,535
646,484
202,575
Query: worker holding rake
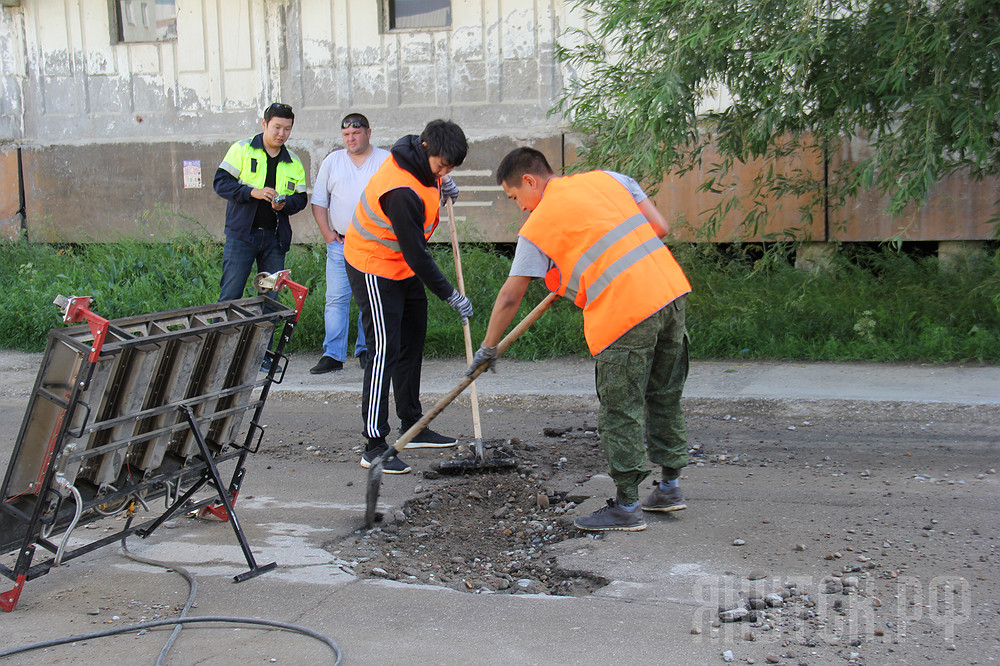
x,y
595,239
390,269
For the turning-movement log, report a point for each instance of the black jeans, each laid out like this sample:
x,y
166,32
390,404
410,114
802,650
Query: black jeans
x,y
394,317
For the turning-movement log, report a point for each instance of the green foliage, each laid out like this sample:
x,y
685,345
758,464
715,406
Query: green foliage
x,y
558,333
918,79
870,305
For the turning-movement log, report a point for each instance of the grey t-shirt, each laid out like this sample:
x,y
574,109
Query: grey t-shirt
x,y
531,262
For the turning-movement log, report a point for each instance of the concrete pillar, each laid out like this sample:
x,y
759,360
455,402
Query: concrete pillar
x,y
815,256
953,253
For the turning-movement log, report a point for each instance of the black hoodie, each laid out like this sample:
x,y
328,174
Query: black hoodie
x,y
405,210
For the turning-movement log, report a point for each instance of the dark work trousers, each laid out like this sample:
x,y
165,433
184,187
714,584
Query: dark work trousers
x,y
394,317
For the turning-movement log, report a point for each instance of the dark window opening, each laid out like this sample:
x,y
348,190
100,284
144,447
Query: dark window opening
x,y
404,14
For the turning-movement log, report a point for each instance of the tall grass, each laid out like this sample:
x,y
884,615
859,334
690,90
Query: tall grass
x,y
870,305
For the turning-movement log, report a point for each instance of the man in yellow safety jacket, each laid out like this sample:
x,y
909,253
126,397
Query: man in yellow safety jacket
x,y
388,266
263,183
595,239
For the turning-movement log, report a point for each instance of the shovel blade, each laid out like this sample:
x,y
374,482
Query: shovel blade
x,y
374,484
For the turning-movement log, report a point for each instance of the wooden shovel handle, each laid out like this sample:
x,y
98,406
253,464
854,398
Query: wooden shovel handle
x,y
504,344
466,330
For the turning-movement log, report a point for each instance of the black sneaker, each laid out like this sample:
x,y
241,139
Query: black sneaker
x,y
392,465
326,364
265,365
363,359
428,439
612,517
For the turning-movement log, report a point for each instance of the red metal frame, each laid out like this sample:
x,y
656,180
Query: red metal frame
x,y
218,510
78,309
298,291
9,599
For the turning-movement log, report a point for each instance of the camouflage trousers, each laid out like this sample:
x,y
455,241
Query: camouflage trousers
x,y
640,377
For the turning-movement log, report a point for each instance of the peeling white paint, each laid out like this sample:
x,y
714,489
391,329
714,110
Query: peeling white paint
x,y
238,55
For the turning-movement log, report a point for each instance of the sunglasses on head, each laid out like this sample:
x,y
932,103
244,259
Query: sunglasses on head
x,y
356,124
278,106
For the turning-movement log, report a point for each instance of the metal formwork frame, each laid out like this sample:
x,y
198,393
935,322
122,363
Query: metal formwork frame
x,y
129,411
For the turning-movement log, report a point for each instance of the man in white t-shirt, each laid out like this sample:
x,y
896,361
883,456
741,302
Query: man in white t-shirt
x,y
341,180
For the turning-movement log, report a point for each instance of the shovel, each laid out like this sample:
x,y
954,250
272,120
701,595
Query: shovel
x,y
375,471
473,392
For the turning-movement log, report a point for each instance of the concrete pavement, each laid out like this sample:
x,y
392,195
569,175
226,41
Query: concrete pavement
x,y
290,517
708,380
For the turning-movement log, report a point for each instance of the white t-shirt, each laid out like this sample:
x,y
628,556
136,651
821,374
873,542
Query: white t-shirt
x,y
531,262
339,184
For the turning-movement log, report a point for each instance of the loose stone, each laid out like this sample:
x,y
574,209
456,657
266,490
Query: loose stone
x,y
734,615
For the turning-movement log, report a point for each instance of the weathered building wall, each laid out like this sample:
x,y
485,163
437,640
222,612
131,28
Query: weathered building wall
x,y
107,128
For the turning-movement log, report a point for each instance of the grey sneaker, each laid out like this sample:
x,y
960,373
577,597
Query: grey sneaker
x,y
612,517
658,500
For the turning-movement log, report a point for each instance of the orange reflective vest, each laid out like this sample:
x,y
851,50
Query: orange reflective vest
x,y
608,260
370,244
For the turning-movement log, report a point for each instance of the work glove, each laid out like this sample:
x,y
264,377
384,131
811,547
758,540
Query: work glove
x,y
462,305
449,190
484,355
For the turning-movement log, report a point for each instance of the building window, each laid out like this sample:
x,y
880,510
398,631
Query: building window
x,y
146,20
409,14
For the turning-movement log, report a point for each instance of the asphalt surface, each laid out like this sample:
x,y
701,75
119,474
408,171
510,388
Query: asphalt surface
x,y
290,516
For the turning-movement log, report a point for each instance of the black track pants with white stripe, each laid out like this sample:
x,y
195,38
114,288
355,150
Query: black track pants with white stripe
x,y
394,316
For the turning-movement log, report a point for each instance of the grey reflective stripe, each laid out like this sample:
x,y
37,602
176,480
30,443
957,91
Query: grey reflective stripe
x,y
620,265
230,169
600,247
385,224
377,219
367,235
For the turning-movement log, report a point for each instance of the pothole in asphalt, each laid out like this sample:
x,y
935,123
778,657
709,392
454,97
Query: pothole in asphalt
x,y
489,532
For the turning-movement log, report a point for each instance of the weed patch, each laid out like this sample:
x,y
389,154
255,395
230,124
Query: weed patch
x,y
748,302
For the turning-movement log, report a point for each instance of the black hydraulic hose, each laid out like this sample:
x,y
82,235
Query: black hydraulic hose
x,y
178,622
192,591
182,620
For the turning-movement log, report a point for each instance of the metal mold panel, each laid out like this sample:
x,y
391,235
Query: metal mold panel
x,y
172,375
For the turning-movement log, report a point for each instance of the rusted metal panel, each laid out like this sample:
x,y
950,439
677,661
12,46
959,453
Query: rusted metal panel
x,y
687,209
10,225
958,208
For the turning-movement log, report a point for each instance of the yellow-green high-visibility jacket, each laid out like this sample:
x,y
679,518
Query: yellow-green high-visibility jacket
x,y
242,171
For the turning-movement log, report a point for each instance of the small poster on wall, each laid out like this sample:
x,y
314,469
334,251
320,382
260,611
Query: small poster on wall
x,y
192,173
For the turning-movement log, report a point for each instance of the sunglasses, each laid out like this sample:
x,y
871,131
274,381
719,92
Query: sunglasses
x,y
356,124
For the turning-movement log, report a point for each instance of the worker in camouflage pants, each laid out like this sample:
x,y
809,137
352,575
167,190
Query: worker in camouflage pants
x,y
640,378
595,238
